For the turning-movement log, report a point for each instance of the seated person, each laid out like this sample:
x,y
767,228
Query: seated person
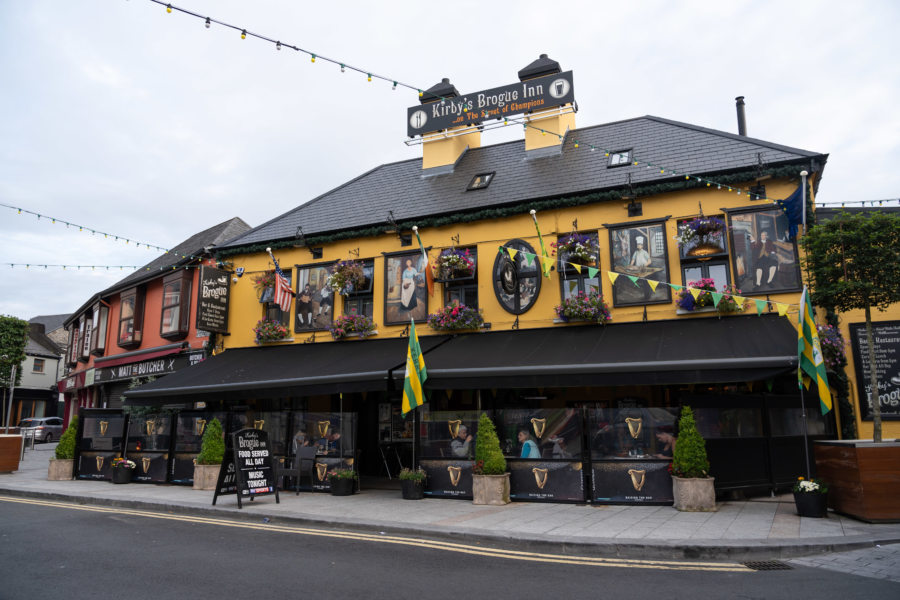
x,y
666,442
460,445
529,448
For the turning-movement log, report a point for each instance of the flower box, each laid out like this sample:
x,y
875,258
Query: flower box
x,y
584,307
686,302
456,317
359,326
268,330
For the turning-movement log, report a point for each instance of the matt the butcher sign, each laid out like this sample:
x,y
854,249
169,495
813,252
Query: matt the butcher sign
x,y
534,94
212,300
145,368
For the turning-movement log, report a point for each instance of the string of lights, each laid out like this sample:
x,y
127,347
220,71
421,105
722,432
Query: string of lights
x,y
93,231
98,267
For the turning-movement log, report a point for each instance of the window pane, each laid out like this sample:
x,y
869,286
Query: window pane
x,y
592,285
170,319
570,288
127,307
172,293
126,330
719,274
693,274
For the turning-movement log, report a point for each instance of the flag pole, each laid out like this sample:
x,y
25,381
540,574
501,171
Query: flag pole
x,y
803,175
804,298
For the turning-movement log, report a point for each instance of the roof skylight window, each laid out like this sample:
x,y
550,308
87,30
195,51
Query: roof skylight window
x,y
481,181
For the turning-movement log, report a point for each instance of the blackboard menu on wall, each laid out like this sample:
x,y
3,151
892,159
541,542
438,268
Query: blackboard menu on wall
x,y
212,300
887,367
247,467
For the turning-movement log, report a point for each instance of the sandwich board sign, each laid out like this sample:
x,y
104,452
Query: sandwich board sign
x,y
247,467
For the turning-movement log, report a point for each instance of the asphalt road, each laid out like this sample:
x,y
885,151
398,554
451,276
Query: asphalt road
x,y
62,550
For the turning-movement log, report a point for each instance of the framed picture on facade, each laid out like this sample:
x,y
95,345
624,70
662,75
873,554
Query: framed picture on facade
x,y
764,260
315,302
405,290
639,250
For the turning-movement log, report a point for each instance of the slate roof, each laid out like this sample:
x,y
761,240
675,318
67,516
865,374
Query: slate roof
x,y
403,188
50,322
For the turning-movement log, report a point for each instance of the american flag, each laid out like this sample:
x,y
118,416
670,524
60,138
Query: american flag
x,y
283,292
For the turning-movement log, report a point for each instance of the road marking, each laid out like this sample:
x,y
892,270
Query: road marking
x,y
669,565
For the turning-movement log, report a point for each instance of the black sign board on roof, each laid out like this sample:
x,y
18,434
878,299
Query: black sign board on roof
x,y
531,95
887,366
212,300
247,467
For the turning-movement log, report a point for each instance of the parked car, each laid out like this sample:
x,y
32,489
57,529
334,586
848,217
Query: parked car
x,y
44,429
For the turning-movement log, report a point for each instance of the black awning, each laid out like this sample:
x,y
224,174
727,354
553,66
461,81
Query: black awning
x,y
297,369
693,350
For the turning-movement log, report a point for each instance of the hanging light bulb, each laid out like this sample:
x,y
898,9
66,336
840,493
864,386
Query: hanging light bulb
x,y
394,87
342,68
312,58
278,45
243,34
168,8
576,144
207,24
370,76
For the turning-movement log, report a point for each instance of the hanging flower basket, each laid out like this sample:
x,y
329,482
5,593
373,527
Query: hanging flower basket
x,y
264,283
360,326
578,249
455,316
267,330
703,235
454,263
833,347
346,277
584,307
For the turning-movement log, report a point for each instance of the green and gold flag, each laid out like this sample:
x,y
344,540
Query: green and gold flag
x,y
811,362
413,394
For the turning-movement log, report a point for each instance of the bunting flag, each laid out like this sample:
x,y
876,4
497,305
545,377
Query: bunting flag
x,y
782,309
512,253
810,353
592,272
612,276
413,394
793,210
653,284
633,278
283,293
429,276
545,264
717,297
576,267
760,305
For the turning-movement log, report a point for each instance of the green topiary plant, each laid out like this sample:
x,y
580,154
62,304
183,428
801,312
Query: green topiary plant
x,y
65,450
689,457
212,448
488,456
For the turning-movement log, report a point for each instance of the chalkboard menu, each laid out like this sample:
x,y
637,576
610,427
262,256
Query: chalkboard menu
x,y
887,367
247,467
212,300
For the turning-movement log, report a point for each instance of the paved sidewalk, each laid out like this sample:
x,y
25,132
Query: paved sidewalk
x,y
757,529
879,562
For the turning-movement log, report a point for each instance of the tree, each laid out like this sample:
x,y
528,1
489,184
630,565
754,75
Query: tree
x,y
852,262
13,337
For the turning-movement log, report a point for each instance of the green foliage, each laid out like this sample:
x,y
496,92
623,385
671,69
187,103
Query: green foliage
x,y
212,448
410,475
13,337
689,458
852,261
342,474
65,449
487,448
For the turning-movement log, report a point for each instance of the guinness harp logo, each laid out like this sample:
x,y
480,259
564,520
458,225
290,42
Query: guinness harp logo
x,y
194,460
455,473
634,426
199,426
637,478
323,427
454,427
576,466
150,424
321,471
258,423
538,425
99,460
540,477
145,462
104,425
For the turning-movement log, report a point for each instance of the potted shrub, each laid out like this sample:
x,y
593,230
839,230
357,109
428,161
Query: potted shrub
x,y
342,482
346,276
811,497
692,487
209,461
577,249
62,467
412,482
456,316
122,470
346,325
454,263
267,330
584,307
490,481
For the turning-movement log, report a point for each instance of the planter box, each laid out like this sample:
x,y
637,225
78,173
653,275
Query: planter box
x,y
694,494
342,487
863,477
492,490
412,489
206,476
122,475
811,504
61,469
10,451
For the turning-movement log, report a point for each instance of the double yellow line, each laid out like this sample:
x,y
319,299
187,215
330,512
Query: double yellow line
x,y
665,565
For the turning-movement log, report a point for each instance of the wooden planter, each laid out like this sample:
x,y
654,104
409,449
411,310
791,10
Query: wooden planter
x,y
863,477
206,476
61,469
10,451
694,494
490,489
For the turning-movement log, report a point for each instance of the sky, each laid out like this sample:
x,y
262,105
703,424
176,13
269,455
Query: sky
x,y
122,118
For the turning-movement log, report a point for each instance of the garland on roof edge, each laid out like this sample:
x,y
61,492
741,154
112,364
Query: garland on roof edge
x,y
514,209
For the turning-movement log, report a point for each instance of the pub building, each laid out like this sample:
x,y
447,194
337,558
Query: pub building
x,y
584,411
